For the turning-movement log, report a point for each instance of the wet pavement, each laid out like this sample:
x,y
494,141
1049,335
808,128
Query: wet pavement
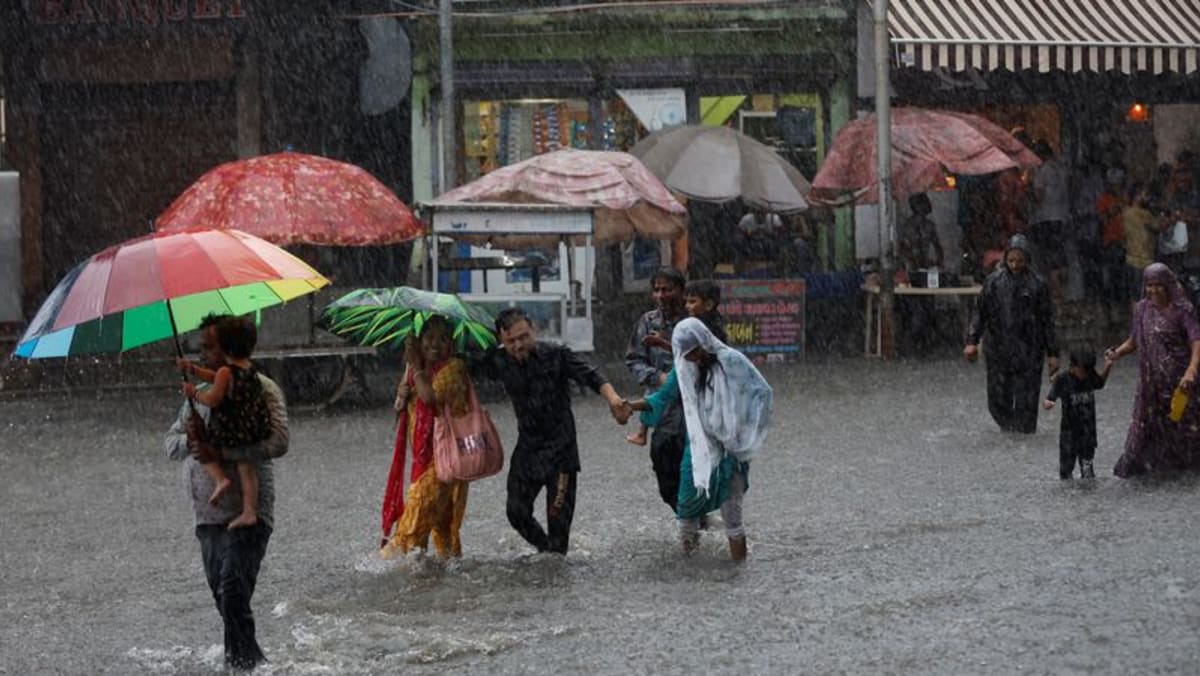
x,y
893,529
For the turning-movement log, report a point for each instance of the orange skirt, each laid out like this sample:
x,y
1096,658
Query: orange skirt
x,y
431,508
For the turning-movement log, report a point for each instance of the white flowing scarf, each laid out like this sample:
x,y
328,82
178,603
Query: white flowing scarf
x,y
732,412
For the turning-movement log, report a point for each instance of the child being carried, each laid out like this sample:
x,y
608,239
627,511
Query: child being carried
x,y
701,298
238,411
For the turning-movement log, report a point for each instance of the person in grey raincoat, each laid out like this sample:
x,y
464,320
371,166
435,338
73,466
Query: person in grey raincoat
x,y
1015,321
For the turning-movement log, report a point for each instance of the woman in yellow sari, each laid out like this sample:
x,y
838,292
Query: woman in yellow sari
x,y
433,378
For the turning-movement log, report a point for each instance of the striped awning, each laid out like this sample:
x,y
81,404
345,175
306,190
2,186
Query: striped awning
x,y
1071,35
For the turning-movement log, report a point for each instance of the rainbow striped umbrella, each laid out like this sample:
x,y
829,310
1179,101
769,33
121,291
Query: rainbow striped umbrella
x,y
159,286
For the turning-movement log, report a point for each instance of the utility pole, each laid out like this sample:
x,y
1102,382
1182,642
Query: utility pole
x,y
883,154
449,118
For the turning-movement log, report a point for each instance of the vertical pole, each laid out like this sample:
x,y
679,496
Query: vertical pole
x,y
433,259
883,153
588,270
569,246
449,118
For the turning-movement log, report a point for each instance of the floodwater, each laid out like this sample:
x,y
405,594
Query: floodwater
x,y
893,529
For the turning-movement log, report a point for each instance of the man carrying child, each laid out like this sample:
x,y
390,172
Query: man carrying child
x,y
231,556
650,363
700,300
239,415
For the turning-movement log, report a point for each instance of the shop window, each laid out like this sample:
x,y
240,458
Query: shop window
x,y
500,133
789,130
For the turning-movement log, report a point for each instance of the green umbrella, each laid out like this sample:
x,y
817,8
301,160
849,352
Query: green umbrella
x,y
385,317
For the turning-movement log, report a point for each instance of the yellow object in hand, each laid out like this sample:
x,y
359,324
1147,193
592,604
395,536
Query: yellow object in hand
x,y
1179,402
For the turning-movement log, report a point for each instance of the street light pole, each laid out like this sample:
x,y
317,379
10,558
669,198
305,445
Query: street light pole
x,y
883,154
449,119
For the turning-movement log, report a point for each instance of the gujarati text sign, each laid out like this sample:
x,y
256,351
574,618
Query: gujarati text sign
x,y
764,318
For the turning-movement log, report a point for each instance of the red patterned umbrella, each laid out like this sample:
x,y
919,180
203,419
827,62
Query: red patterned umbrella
x,y
293,198
926,145
626,198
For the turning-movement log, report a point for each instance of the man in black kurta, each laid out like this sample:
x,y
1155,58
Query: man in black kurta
x,y
1015,321
537,378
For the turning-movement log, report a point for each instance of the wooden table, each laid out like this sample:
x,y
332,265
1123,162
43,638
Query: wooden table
x,y
873,326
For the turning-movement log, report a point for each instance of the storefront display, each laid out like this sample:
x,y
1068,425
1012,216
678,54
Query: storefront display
x,y
500,133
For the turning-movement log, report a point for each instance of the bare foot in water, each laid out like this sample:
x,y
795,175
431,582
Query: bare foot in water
x,y
222,486
244,520
638,438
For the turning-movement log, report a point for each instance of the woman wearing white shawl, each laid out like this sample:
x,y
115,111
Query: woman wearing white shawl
x,y
727,406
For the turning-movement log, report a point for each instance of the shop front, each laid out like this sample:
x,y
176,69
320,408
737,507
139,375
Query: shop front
x,y
1106,85
605,79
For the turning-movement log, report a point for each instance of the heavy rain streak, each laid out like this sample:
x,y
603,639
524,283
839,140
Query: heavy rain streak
x,y
599,337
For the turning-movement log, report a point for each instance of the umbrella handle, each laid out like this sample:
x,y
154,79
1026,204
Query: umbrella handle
x,y
175,337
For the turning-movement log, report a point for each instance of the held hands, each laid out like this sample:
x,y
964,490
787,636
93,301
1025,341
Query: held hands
x,y
621,411
971,352
637,405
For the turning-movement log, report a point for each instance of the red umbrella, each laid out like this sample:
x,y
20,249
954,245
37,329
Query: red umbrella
x,y
293,198
926,146
626,198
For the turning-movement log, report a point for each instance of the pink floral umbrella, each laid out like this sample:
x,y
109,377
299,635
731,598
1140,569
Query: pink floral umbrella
x,y
294,198
926,145
625,197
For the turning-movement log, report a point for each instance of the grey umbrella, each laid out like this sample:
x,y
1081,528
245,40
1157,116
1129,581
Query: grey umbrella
x,y
718,164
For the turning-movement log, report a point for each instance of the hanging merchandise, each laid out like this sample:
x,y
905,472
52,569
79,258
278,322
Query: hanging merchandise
x,y
552,129
502,143
541,138
609,142
579,135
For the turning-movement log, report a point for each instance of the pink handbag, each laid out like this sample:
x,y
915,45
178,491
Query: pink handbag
x,y
468,447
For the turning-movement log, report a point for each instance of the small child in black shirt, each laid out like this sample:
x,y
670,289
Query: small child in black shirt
x,y
1077,435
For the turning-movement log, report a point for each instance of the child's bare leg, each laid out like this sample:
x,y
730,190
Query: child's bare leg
x,y
638,438
222,482
249,479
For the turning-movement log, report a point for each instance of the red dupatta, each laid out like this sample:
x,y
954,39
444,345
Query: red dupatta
x,y
393,497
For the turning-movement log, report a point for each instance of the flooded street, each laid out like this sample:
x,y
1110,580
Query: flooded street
x,y
892,529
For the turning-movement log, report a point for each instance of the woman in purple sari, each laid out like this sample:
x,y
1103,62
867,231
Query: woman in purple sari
x,y
1166,336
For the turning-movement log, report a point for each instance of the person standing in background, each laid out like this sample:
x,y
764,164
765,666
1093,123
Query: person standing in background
x,y
1015,321
1051,213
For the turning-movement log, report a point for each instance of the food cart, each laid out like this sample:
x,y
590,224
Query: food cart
x,y
506,238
